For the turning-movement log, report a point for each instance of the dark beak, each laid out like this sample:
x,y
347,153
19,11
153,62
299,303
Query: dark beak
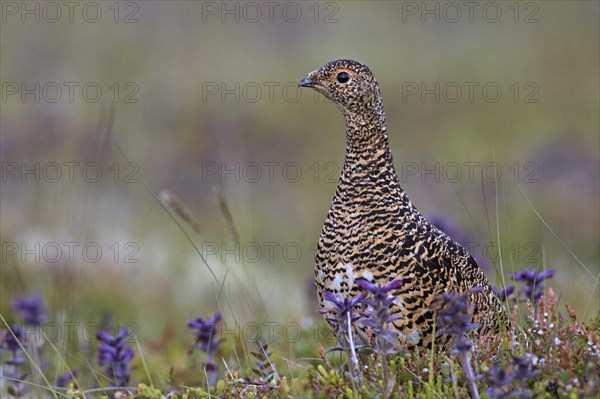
x,y
306,82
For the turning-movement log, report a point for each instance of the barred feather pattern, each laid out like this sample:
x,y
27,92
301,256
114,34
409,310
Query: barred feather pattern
x,y
373,231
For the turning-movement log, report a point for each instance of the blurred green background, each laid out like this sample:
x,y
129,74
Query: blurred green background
x,y
204,94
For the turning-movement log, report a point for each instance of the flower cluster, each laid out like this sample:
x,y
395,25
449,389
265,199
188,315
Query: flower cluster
x,y
501,381
532,290
30,310
63,380
206,333
11,341
378,316
533,281
32,313
343,314
455,320
115,356
206,341
505,294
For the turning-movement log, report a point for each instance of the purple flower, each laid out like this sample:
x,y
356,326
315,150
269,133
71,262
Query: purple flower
x,y
377,290
66,378
345,304
501,380
30,309
455,320
207,341
498,381
342,316
341,308
505,294
206,333
9,342
378,316
115,355
534,283
523,369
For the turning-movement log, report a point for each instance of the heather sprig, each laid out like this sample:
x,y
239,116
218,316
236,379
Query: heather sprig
x,y
30,310
207,341
343,314
11,341
455,320
115,356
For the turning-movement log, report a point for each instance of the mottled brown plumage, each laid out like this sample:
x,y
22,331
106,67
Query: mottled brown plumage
x,y
372,229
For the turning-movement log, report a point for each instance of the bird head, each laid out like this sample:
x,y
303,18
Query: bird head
x,y
349,84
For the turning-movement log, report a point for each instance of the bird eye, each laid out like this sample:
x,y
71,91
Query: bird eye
x,y
343,77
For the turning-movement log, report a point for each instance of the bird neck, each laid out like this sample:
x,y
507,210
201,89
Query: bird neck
x,y
366,139
368,164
